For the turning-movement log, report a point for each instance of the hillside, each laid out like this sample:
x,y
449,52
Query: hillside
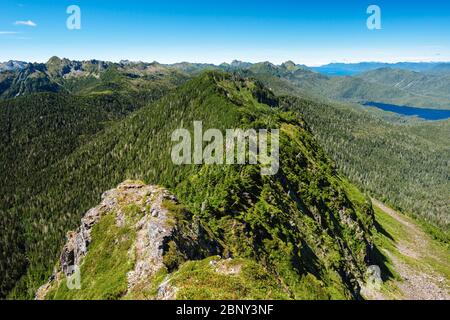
x,y
403,164
306,232
400,161
190,263
429,90
179,260
303,225
425,84
350,88
11,65
38,130
417,266
83,77
399,86
350,69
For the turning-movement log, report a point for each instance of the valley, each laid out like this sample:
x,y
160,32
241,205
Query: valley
x,y
203,159
71,130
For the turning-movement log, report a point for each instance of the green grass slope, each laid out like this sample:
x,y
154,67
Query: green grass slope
x,y
419,265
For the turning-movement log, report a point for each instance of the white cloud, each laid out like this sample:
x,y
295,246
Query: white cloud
x,y
8,32
28,23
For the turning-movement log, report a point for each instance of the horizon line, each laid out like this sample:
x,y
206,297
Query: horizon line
x,y
242,61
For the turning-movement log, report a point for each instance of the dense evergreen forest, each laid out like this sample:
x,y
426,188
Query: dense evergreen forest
x,y
307,203
404,164
65,140
403,161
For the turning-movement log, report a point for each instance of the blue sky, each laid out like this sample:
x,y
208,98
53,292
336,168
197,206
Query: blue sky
x,y
310,32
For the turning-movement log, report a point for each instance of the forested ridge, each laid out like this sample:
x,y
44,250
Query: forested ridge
x,y
404,164
286,222
37,132
62,149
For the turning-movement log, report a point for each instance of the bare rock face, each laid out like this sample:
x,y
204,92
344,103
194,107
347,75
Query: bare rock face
x,y
78,242
154,230
166,234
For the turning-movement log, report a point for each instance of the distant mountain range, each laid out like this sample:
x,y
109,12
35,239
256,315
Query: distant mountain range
x,y
419,89
338,69
12,65
433,85
349,69
422,85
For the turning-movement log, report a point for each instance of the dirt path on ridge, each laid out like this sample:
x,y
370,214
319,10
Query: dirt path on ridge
x,y
422,282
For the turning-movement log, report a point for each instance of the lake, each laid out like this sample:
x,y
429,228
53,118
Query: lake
x,y
426,114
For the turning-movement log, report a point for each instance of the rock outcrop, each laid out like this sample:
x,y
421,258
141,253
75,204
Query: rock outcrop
x,y
165,234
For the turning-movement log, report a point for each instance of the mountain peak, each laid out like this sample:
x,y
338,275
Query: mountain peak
x,y
240,64
289,63
12,65
54,60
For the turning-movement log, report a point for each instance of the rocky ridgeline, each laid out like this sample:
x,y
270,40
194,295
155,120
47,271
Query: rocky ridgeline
x,y
164,236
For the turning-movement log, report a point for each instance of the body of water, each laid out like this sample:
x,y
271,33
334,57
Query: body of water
x,y
427,114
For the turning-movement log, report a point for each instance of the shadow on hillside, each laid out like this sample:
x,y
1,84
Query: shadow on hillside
x,y
378,257
383,231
